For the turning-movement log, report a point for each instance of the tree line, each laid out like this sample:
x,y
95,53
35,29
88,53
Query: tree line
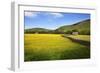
x,y
82,32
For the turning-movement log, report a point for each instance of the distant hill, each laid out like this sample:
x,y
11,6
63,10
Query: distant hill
x,y
83,27
37,30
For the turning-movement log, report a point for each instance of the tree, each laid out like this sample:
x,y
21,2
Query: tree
x,y
69,32
74,30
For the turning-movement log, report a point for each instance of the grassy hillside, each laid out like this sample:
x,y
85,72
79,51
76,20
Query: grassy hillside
x,y
82,27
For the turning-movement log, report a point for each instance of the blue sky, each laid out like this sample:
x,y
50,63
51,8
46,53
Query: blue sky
x,y
52,20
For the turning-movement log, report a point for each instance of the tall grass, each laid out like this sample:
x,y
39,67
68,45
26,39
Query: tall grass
x,y
81,37
38,47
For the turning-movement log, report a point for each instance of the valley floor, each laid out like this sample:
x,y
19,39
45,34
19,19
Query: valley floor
x,y
38,47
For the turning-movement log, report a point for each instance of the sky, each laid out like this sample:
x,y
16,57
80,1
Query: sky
x,y
51,20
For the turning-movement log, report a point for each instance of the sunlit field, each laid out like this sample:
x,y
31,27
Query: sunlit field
x,y
81,37
38,47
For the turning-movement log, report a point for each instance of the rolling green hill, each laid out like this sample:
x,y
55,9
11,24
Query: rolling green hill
x,y
37,30
82,27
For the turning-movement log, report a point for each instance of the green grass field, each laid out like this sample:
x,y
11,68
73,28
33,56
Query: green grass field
x,y
38,47
81,37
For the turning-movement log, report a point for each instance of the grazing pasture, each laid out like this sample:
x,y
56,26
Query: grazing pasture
x,y
38,47
81,37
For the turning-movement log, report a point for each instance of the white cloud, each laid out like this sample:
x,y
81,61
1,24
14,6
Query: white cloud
x,y
30,14
56,15
35,14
